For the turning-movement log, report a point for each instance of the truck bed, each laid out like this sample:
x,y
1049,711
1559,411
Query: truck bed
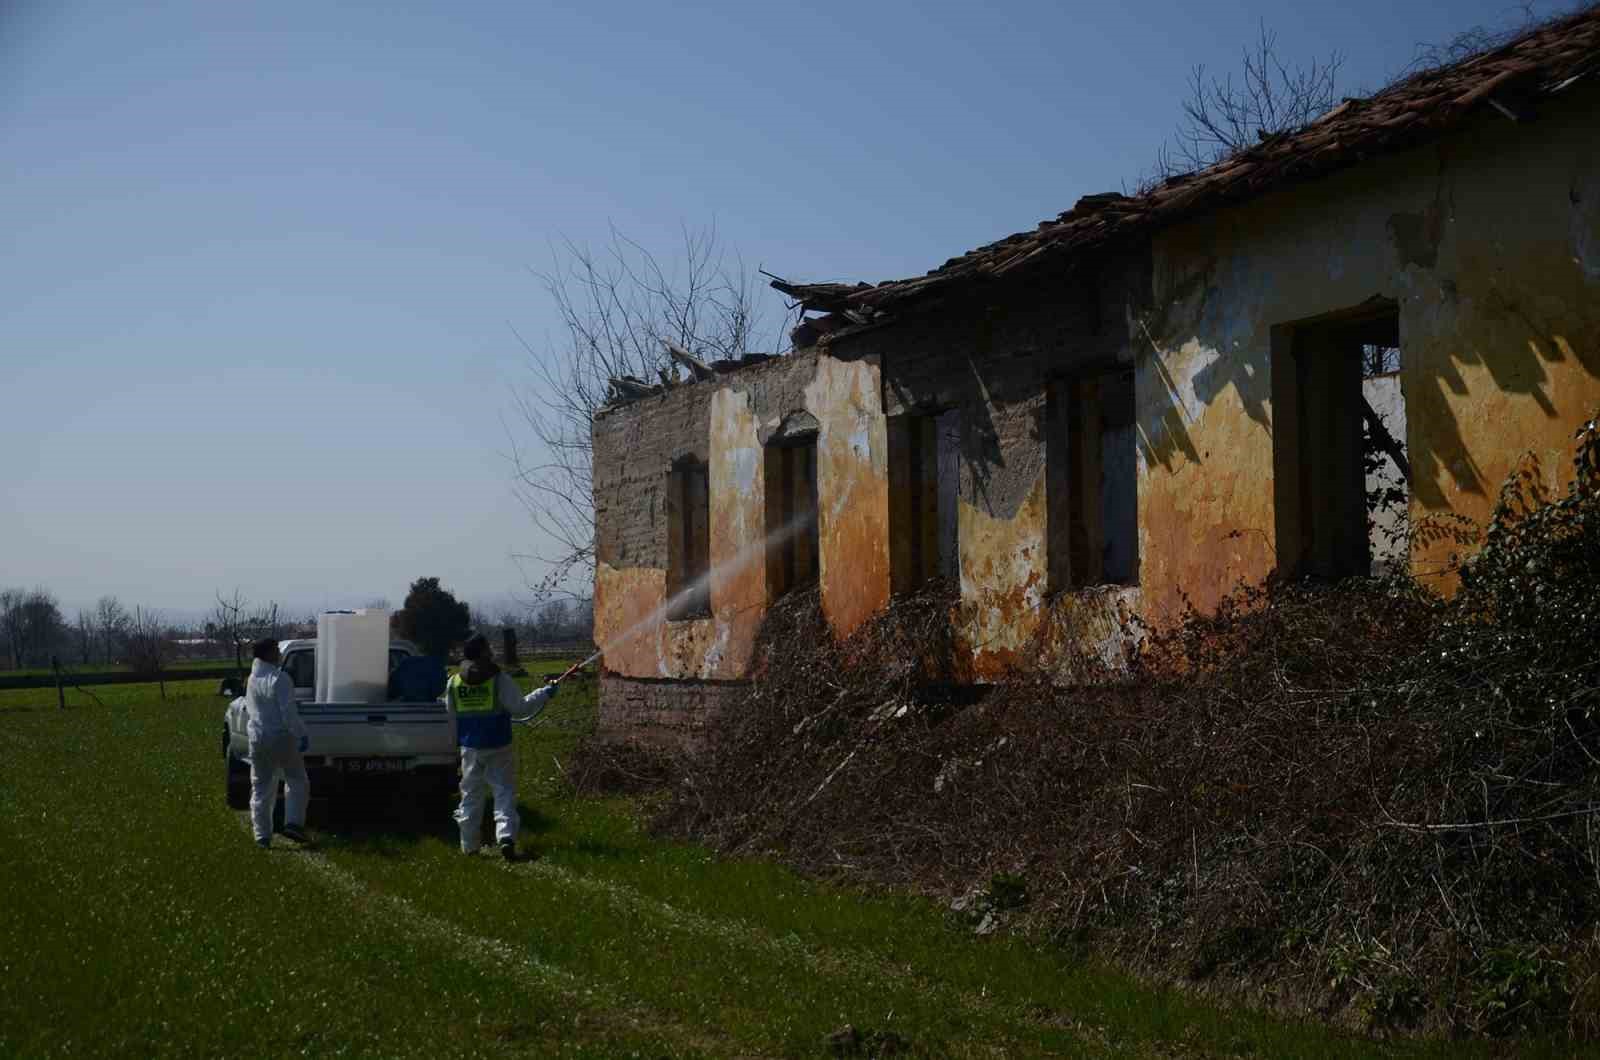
x,y
406,729
351,743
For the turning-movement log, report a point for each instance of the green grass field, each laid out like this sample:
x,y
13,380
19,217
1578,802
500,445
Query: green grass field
x,y
72,666
140,919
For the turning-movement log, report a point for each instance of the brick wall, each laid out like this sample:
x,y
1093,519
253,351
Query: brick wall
x,y
669,715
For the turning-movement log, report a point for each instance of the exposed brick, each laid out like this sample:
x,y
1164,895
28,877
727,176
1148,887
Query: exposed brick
x,y
662,714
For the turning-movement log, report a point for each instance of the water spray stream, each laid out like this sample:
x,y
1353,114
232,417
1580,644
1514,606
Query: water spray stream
x,y
654,619
738,562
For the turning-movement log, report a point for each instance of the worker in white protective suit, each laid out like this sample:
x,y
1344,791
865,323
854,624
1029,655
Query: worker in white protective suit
x,y
277,742
481,701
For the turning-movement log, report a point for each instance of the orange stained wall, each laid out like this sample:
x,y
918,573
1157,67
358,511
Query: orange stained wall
x,y
1488,243
743,410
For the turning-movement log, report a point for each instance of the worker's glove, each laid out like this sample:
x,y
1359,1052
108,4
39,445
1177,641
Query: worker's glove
x,y
554,687
305,744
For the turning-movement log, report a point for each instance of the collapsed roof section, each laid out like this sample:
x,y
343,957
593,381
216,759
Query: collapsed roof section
x,y
1511,80
626,388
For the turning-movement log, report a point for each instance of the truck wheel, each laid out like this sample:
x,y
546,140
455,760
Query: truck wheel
x,y
237,777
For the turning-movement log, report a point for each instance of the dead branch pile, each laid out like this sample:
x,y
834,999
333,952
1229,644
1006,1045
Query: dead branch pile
x,y
1358,797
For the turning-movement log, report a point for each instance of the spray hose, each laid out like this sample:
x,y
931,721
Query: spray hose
x,y
529,719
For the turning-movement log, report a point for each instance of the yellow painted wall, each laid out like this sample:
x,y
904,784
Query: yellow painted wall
x,y
1489,244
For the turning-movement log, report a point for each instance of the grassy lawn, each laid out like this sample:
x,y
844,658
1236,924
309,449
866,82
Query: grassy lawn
x,y
139,918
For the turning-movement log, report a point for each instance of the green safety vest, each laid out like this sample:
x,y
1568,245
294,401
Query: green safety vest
x,y
470,699
479,720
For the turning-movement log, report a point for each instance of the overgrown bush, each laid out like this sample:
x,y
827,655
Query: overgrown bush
x,y
1359,797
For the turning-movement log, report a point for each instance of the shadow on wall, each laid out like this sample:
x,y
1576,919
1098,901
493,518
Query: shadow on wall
x,y
983,457
1516,347
1185,367
1220,350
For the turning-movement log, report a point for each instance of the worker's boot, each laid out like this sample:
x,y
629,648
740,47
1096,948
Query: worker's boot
x,y
508,849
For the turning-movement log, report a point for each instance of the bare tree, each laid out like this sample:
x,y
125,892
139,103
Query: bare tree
x,y
32,625
85,631
12,623
226,624
1228,114
1475,40
110,623
550,622
618,307
147,644
233,623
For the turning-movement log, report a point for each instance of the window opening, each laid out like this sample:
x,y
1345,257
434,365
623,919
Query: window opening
x,y
790,474
1343,477
1091,480
688,540
924,479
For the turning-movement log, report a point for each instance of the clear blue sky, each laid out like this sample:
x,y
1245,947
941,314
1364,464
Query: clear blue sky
x,y
262,261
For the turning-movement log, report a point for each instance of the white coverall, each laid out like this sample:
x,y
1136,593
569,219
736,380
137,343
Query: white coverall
x,y
275,730
496,768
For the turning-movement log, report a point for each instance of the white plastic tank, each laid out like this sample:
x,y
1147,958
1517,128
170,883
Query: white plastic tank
x,y
353,656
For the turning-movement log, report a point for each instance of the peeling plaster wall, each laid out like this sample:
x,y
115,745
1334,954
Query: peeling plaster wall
x,y
1485,241
727,421
634,446
990,358
852,489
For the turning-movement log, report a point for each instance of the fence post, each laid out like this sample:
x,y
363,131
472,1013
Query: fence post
x,y
61,694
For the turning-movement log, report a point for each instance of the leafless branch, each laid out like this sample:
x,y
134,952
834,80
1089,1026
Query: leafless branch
x,y
619,306
1226,114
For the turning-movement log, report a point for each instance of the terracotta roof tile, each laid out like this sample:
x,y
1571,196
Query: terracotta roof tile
x,y
1422,107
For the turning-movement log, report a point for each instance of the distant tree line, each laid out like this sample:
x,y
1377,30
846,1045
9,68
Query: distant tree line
x,y
34,629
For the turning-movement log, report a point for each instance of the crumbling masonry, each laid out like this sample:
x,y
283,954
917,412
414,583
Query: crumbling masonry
x,y
1144,401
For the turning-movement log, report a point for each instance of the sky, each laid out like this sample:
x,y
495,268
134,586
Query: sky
x,y
267,264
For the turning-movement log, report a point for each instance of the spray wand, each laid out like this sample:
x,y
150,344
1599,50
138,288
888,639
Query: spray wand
x,y
528,719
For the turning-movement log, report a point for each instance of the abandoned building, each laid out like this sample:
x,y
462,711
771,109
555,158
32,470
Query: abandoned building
x,y
1145,401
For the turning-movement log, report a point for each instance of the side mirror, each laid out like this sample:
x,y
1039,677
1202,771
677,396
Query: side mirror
x,y
231,688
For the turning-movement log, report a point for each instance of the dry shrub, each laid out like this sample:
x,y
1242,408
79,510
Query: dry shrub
x,y
598,767
1356,796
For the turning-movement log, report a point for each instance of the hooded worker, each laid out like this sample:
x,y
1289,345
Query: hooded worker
x,y
277,743
481,700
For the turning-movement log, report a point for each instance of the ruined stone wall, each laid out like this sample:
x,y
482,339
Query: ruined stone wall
x,y
1486,246
1489,245
634,445
671,715
728,421
990,358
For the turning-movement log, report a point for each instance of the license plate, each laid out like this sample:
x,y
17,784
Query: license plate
x,y
374,765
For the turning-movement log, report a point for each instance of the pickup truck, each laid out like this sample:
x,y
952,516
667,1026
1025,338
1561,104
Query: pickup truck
x,y
353,745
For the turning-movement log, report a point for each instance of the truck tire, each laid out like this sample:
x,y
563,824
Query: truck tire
x,y
237,777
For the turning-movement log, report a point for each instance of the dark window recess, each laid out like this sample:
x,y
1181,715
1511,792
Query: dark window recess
x,y
688,541
790,474
1342,478
1091,482
924,478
